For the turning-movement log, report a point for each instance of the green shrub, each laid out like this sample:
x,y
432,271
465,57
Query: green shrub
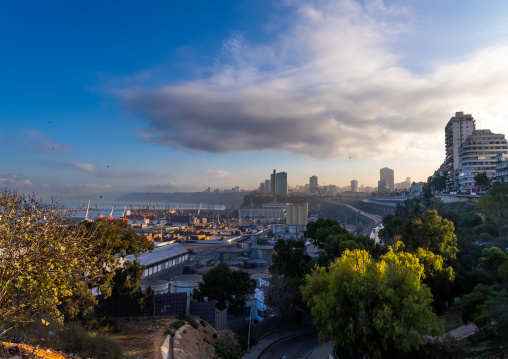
x,y
183,317
104,325
203,323
178,324
193,323
214,335
76,339
223,352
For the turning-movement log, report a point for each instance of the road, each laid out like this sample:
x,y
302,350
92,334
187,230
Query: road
x,y
293,347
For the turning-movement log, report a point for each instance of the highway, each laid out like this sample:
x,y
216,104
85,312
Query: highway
x,y
292,347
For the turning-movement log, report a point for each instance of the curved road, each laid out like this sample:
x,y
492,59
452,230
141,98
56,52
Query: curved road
x,y
292,347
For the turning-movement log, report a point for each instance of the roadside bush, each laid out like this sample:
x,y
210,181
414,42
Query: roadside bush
x,y
194,323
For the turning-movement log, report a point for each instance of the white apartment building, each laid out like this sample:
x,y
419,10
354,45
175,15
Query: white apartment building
x,y
502,168
456,131
479,154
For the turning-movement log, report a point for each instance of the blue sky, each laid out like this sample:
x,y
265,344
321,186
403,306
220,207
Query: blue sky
x,y
165,96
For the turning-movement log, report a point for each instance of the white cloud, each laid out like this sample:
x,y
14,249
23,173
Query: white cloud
x,y
329,86
219,174
14,180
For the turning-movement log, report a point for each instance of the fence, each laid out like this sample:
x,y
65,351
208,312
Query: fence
x,y
219,319
172,304
163,305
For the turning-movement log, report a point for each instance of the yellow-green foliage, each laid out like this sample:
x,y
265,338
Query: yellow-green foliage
x,y
372,308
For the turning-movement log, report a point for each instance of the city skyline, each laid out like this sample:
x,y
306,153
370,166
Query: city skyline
x,y
161,97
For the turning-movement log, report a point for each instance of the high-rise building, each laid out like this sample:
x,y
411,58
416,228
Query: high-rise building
x,y
478,154
268,185
354,186
456,131
386,176
313,184
281,182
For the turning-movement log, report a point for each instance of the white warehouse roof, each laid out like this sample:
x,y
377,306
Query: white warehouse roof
x,y
160,254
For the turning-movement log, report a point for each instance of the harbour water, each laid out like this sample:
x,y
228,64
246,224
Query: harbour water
x,y
106,208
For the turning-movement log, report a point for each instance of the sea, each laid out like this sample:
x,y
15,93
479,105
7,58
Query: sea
x,y
117,208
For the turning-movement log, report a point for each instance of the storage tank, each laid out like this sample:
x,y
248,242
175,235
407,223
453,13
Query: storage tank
x,y
159,286
245,245
185,283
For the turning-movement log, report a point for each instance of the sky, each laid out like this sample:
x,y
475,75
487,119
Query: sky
x,y
101,97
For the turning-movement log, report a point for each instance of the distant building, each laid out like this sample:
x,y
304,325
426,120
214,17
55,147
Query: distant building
x,y
267,211
457,130
355,195
478,154
417,189
162,257
281,183
386,175
268,185
403,185
382,186
313,184
333,190
296,215
354,186
502,168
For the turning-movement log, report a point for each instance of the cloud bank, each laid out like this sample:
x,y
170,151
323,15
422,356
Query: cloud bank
x,y
330,85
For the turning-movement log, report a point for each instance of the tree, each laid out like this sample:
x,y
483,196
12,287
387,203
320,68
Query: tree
x,y
372,308
283,296
229,288
333,240
290,264
115,240
482,180
44,261
290,258
484,305
491,259
494,204
431,233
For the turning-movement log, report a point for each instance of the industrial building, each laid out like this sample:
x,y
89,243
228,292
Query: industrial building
x,y
162,257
